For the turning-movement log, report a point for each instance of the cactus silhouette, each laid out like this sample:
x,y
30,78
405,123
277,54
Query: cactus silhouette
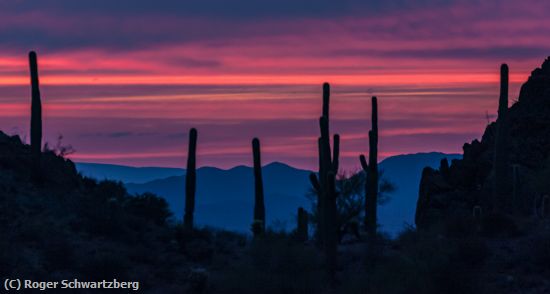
x,y
258,226
325,186
501,154
302,233
36,117
371,170
190,181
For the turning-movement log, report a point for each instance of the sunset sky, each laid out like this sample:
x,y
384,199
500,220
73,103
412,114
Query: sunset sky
x,y
123,81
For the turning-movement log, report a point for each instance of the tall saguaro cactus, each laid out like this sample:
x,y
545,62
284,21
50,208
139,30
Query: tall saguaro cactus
x,y
501,153
371,170
190,180
325,186
258,226
36,116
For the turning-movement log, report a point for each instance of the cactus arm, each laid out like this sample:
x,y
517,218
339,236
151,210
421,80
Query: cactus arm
x,y
314,182
364,163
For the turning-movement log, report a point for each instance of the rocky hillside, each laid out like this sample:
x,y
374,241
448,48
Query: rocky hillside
x,y
66,226
456,189
506,227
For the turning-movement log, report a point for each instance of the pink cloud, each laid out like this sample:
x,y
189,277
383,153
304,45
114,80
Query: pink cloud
x,y
127,89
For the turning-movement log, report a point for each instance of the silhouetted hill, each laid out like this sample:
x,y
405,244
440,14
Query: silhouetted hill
x,y
455,190
61,225
126,174
225,197
494,202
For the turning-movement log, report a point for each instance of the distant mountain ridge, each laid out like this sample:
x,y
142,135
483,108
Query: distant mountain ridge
x,y
225,197
126,174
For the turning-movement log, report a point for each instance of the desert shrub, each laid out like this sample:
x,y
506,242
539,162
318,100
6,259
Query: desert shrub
x,y
393,274
8,252
351,198
149,207
88,183
419,262
273,264
197,244
226,242
59,252
105,263
32,230
101,219
110,190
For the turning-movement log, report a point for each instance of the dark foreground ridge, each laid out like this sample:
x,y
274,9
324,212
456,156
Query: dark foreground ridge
x,y
72,227
456,189
495,200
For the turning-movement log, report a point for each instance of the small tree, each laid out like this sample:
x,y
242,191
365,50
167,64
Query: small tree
x,y
351,199
59,149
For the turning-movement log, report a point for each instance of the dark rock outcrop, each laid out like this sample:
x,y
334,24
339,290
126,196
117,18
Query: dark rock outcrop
x,y
16,158
456,189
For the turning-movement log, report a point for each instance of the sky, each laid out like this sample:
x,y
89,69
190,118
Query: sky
x,y
124,81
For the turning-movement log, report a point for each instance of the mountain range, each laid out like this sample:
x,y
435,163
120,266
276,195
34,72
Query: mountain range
x,y
225,197
126,174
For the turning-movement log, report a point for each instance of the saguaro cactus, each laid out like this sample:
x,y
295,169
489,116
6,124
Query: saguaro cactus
x,y
190,181
325,186
500,190
258,226
302,233
371,170
36,116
